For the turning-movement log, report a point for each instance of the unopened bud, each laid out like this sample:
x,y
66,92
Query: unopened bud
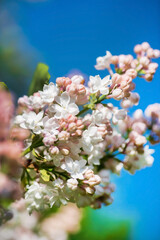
x,y
88,174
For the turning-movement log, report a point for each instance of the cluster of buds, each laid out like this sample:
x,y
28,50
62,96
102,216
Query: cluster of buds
x,y
128,68
72,125
152,113
144,64
75,87
121,86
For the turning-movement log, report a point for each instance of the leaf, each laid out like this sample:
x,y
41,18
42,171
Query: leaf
x,y
36,142
3,86
41,76
44,175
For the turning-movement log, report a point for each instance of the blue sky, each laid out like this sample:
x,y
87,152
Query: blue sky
x,y
70,35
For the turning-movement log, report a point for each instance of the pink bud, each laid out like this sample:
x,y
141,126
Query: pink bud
x,y
145,46
132,73
126,103
79,132
54,150
114,60
156,53
72,126
81,89
88,174
144,61
71,118
72,89
138,49
65,151
134,98
63,136
148,77
150,53
118,94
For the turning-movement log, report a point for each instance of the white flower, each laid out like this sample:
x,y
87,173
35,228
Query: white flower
x,y
103,62
50,125
96,154
35,102
72,183
99,85
49,93
30,121
118,115
55,158
65,106
57,194
138,161
90,137
35,196
101,115
50,130
74,168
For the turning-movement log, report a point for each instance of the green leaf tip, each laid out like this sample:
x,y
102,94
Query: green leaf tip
x,y
3,86
41,76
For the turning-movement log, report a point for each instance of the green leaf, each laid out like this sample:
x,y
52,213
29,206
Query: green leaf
x,y
3,86
41,76
36,142
44,175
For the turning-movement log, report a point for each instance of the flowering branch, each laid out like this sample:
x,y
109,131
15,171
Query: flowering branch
x,y
69,155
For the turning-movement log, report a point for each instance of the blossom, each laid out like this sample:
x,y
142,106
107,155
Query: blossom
x,y
56,158
90,137
96,154
137,161
56,193
50,125
49,93
62,160
75,168
35,102
103,62
98,85
65,106
30,121
153,110
72,183
35,196
118,115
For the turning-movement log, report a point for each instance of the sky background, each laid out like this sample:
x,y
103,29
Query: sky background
x,y
70,35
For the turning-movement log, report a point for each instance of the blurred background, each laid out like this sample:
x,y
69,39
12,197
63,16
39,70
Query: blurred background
x,y
68,36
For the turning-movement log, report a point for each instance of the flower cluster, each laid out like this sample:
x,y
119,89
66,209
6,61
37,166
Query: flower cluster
x,y
69,155
57,225
11,146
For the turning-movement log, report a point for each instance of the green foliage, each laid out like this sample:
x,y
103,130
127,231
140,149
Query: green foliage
x,y
44,175
3,86
99,227
36,142
41,76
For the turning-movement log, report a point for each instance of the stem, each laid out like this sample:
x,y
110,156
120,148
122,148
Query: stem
x,y
85,109
101,98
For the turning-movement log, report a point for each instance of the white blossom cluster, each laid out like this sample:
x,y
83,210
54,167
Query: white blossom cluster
x,y
78,137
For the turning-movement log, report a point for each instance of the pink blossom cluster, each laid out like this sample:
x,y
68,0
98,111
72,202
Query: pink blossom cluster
x,y
11,146
127,68
78,137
